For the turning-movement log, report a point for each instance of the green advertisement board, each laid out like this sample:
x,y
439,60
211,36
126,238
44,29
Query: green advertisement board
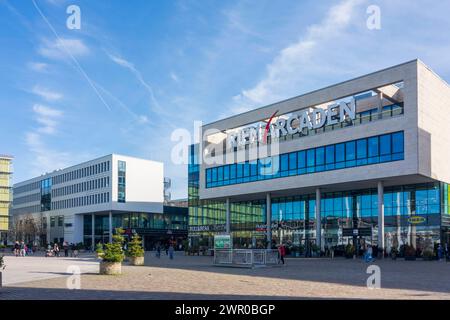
x,y
222,241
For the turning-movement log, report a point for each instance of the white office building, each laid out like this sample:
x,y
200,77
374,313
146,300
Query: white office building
x,y
90,199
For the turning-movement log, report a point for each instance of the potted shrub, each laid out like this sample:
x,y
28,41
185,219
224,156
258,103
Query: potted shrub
x,y
316,250
99,250
410,253
135,251
113,255
349,251
428,255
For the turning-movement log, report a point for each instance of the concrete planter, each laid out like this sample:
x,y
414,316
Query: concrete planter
x,y
110,268
136,261
99,255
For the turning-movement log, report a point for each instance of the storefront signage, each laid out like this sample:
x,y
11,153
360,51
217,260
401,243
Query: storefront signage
x,y
416,219
357,232
222,241
294,123
198,228
205,228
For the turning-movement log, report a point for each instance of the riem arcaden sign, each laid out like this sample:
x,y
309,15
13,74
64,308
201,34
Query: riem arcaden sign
x,y
296,122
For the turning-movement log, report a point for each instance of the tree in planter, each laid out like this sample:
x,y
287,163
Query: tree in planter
x,y
113,254
349,251
99,250
316,250
428,254
136,251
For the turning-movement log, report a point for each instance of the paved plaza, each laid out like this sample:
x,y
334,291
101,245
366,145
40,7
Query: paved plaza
x,y
193,277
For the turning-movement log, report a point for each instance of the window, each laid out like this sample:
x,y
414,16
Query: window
x,y
284,165
320,159
373,150
292,163
350,154
301,162
361,152
384,148
329,157
340,155
310,160
121,191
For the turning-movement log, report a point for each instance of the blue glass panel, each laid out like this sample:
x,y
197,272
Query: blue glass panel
x,y
310,155
361,147
350,152
320,156
397,142
233,171
284,162
293,161
385,144
340,152
373,147
301,159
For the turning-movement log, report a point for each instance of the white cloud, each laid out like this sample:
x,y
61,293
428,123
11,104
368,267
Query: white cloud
x,y
47,117
174,77
62,48
45,159
293,64
46,93
38,66
143,119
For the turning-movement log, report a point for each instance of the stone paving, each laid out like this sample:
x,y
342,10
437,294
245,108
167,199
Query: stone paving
x,y
188,277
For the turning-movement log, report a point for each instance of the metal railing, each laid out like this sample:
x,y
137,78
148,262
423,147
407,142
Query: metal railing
x,y
245,257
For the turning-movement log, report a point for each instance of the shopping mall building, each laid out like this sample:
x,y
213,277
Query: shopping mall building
x,y
365,161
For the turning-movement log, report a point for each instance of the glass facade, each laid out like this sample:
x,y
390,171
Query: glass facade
x,y
416,215
361,152
121,180
46,194
174,219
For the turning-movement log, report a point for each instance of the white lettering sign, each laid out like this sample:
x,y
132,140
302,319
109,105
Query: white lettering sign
x,y
296,122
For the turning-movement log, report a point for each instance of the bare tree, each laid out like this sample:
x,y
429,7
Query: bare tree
x,y
25,229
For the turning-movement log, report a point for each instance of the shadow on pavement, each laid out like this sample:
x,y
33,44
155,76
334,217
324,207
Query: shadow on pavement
x,y
433,276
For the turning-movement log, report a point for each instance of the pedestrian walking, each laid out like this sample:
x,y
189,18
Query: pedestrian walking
x,y
446,252
158,251
56,250
66,249
439,252
16,248
22,249
281,253
171,250
368,254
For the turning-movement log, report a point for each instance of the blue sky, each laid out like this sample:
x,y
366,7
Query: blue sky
x,y
138,70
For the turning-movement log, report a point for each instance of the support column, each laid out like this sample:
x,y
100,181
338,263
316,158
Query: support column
x,y
269,221
93,231
228,216
110,227
318,220
380,218
380,105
